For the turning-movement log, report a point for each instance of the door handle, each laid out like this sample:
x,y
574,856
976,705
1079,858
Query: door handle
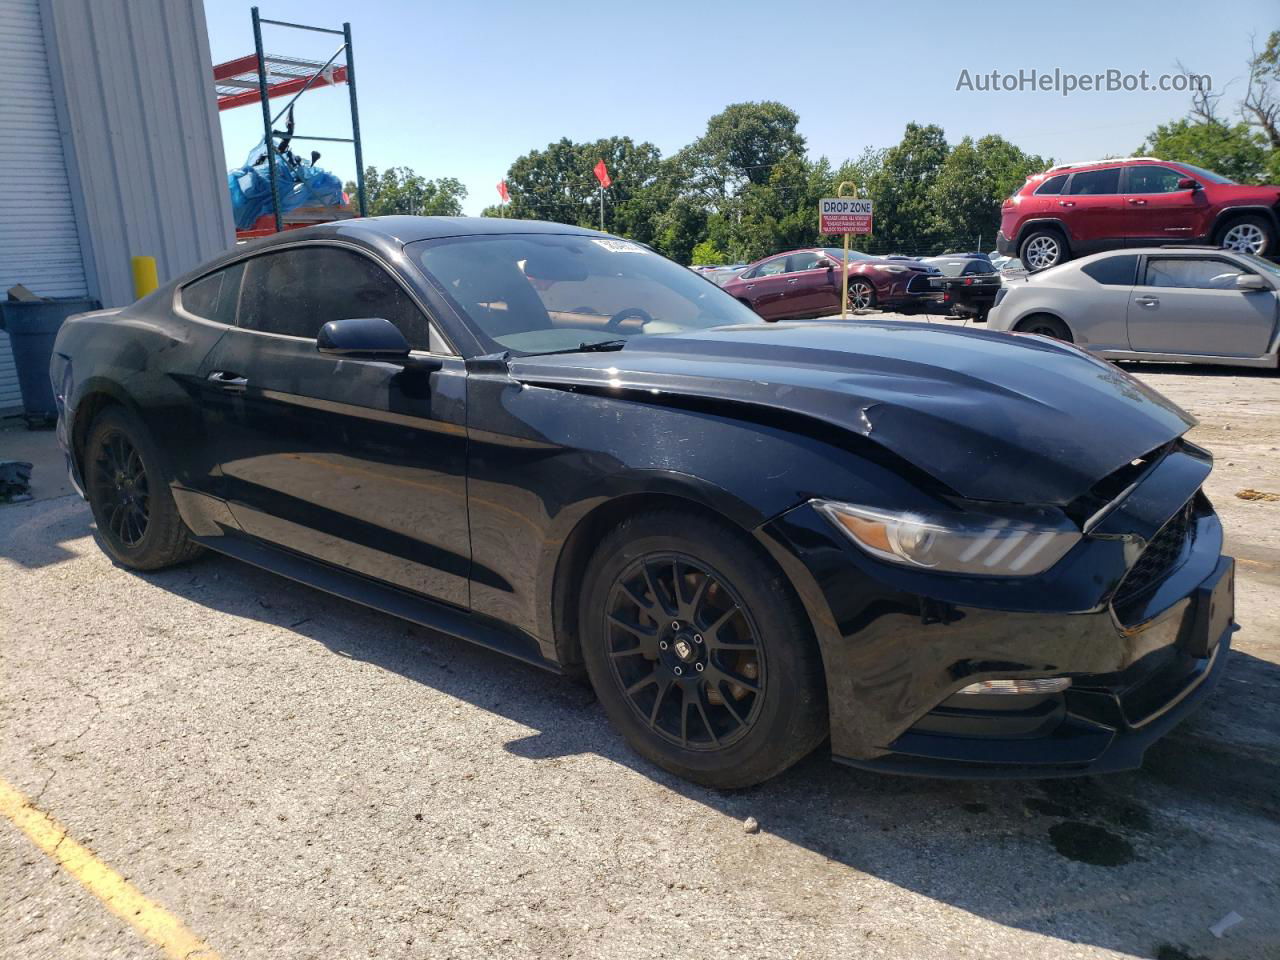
x,y
793,280
1066,203
1137,202
231,382
1148,301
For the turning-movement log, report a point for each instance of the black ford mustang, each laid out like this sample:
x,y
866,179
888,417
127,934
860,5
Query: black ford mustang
x,y
953,552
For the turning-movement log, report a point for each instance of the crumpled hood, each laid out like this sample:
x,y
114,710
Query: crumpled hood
x,y
992,416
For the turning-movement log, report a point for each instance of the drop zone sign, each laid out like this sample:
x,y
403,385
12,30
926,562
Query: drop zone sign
x,y
844,215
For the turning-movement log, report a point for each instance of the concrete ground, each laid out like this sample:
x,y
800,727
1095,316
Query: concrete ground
x,y
293,776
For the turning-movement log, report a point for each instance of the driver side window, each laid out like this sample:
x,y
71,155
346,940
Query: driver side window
x,y
771,268
805,261
297,291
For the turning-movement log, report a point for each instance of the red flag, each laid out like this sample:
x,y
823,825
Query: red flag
x,y
502,191
602,174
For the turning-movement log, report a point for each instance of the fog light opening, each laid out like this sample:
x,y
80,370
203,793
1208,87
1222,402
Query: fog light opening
x,y
1046,685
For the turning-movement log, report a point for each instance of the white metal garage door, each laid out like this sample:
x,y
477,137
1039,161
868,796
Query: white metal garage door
x,y
38,242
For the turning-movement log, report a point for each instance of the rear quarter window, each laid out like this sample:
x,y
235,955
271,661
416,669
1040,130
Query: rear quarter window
x,y
214,297
1114,271
1052,186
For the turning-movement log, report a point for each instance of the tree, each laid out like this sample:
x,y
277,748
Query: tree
x,y
1233,150
1261,104
740,147
558,184
400,190
974,180
901,188
707,254
963,197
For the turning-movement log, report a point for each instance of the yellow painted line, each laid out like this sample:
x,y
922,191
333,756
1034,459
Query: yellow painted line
x,y
116,893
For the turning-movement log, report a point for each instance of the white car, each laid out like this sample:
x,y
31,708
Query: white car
x,y
1196,304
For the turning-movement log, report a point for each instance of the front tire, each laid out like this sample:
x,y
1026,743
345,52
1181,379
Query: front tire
x,y
1248,235
1042,249
699,651
862,294
138,522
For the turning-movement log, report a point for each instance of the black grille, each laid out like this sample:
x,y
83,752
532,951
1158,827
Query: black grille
x,y
920,283
1160,556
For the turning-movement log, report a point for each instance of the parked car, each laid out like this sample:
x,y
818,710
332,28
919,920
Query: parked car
x,y
1200,304
970,254
722,275
968,284
1081,208
807,283
750,536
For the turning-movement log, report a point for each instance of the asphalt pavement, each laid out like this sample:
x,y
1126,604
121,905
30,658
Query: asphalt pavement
x,y
282,774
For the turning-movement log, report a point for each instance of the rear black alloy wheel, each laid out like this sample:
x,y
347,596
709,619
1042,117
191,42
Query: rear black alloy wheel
x,y
684,651
138,522
121,486
699,650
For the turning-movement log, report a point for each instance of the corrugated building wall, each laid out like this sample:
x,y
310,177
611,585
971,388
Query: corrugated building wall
x,y
139,117
39,243
109,147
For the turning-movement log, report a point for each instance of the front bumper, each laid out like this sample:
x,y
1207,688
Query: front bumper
x,y
899,644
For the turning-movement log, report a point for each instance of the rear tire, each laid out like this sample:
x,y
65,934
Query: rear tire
x,y
1042,249
128,491
1046,326
699,651
1251,234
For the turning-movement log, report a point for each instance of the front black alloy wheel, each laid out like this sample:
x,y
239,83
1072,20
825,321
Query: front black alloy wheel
x,y
684,652
699,650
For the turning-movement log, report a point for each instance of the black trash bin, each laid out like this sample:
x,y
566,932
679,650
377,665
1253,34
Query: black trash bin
x,y
32,326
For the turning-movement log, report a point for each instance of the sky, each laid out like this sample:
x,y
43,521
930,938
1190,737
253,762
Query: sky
x,y
462,89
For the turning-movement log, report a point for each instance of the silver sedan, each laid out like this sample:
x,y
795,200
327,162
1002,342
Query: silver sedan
x,y
1198,304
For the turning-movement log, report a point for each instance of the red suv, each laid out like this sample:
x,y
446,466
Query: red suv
x,y
1081,208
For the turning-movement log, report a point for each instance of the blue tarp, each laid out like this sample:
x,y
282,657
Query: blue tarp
x,y
299,186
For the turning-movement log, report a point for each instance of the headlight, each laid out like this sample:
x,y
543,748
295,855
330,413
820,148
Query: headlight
x,y
892,269
1018,542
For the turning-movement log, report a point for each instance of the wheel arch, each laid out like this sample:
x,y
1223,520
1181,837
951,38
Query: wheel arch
x,y
1039,312
578,546
1041,223
1225,216
95,396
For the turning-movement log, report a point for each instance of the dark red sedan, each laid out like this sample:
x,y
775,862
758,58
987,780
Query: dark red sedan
x,y
806,283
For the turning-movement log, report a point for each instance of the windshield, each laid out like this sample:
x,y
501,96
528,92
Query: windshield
x,y
837,253
1266,266
1203,174
533,293
949,268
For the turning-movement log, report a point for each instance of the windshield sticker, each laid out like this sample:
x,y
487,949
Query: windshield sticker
x,y
618,246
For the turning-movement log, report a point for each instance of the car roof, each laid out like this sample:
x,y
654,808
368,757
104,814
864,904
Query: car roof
x,y
1074,266
385,235
407,229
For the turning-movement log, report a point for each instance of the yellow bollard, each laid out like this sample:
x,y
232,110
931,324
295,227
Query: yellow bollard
x,y
145,279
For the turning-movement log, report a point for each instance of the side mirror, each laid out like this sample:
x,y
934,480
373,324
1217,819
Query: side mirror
x,y
1186,183
363,338
1250,281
